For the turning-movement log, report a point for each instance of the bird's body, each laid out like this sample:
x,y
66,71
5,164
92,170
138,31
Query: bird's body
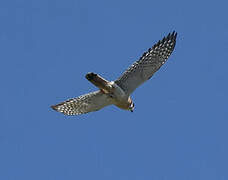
x,y
112,90
118,92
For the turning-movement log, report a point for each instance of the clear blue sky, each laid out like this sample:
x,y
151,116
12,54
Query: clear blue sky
x,y
178,130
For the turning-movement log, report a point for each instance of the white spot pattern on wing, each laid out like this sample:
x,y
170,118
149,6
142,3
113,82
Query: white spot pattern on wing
x,y
147,65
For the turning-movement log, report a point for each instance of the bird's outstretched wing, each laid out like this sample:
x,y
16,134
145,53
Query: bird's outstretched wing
x,y
83,104
147,65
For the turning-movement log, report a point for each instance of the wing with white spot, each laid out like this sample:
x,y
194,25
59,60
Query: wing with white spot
x,y
147,65
83,104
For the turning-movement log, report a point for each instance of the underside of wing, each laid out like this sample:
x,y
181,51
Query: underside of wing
x,y
83,104
147,65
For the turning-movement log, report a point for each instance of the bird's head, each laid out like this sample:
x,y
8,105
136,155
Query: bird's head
x,y
131,105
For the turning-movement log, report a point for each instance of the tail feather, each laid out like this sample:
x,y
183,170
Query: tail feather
x,y
100,82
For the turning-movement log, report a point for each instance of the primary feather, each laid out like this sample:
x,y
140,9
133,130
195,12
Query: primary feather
x,y
147,65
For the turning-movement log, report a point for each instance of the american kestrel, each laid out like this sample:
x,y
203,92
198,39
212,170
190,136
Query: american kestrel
x,y
118,92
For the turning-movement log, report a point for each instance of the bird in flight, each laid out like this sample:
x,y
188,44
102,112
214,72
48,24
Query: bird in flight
x,y
118,92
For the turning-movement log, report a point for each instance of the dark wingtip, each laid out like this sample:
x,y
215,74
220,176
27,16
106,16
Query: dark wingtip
x,y
54,107
174,34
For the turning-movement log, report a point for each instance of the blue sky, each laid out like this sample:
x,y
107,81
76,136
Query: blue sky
x,y
178,130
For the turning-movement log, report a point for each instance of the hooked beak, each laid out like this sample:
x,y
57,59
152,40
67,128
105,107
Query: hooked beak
x,y
132,107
